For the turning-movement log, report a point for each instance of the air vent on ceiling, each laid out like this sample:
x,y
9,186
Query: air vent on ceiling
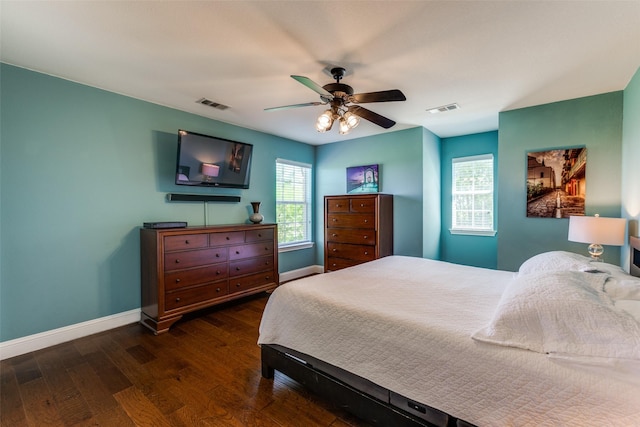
x,y
444,108
209,103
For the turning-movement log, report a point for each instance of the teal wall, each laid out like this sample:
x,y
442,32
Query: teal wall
x,y
399,155
81,170
594,122
479,251
631,162
431,200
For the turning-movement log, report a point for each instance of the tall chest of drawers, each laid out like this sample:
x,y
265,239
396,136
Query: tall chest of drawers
x,y
357,229
186,269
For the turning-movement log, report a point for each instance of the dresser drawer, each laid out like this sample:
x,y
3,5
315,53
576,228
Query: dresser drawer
x,y
228,238
195,295
251,250
183,278
346,235
249,282
357,252
338,205
334,264
363,205
351,221
186,259
188,241
253,265
259,235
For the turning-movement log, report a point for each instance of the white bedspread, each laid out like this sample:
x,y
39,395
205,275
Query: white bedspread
x,y
406,324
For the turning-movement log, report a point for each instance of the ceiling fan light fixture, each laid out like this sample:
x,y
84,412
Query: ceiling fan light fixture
x,y
325,121
351,119
344,127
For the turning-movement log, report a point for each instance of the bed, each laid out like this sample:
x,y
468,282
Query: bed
x,y
411,341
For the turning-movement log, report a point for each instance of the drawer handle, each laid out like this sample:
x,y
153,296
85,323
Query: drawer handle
x,y
217,289
237,252
334,250
186,242
218,272
366,237
177,261
237,285
366,221
228,238
266,248
366,253
338,205
217,255
362,205
177,280
268,278
334,219
237,268
334,235
259,234
177,299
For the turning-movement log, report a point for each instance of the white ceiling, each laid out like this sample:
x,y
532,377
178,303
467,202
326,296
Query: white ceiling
x,y
487,56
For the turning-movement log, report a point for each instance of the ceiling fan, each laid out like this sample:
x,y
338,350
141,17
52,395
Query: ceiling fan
x,y
341,98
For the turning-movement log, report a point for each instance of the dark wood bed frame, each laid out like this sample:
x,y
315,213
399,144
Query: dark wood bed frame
x,y
359,396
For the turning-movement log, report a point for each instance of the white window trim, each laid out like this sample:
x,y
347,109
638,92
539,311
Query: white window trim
x,y
288,247
471,231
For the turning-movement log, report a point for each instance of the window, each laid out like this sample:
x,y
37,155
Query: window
x,y
472,195
293,204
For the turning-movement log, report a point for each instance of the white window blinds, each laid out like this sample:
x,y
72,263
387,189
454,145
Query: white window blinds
x,y
472,193
293,202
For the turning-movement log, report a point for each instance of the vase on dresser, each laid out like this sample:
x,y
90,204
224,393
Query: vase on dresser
x,y
256,217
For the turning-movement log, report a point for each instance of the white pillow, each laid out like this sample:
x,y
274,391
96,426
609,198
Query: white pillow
x,y
562,312
556,261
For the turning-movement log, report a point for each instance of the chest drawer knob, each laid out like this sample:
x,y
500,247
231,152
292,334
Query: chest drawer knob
x,y
177,261
186,242
237,268
366,237
334,235
362,205
366,252
217,289
334,250
177,299
217,255
366,221
177,280
218,272
228,238
237,285
237,252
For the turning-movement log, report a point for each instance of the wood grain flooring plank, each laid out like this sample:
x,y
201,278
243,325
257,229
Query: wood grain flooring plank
x,y
11,405
142,411
93,390
71,406
39,404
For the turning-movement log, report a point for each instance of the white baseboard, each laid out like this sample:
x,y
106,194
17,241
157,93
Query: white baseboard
x,y
301,272
45,339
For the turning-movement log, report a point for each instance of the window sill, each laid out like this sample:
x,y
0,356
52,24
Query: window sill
x,y
295,247
464,232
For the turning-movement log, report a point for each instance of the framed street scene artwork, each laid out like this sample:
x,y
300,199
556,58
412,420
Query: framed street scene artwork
x,y
556,184
363,179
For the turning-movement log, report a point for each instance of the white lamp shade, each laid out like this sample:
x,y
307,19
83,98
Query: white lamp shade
x,y
595,229
210,170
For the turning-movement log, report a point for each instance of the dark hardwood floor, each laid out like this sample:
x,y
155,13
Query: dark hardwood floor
x,y
204,372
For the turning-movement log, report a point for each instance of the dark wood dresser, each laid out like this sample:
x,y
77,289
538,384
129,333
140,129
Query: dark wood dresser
x,y
186,269
357,229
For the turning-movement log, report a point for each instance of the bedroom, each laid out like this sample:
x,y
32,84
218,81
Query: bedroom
x,y
99,169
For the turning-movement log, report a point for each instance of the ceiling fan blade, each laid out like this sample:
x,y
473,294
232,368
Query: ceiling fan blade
x,y
286,107
313,86
371,116
382,96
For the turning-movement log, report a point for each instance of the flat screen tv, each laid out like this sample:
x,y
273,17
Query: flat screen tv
x,y
207,161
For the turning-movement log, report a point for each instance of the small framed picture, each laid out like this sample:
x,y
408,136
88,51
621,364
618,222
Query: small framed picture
x,y
556,184
363,179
